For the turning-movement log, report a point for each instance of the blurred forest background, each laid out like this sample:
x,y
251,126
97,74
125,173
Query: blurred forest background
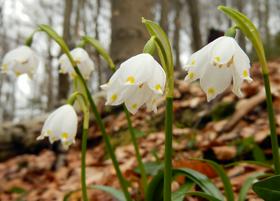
x,y
190,24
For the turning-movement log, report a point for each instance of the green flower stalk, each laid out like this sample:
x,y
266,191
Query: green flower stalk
x,y
83,103
166,59
244,24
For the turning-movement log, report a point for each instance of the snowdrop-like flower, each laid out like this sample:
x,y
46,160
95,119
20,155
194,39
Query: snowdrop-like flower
x,y
139,80
217,64
20,61
83,61
61,125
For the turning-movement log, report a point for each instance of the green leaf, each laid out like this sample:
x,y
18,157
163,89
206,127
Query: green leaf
x,y
110,190
154,191
165,52
247,185
155,187
201,180
138,133
151,168
180,194
225,179
258,153
247,28
101,50
268,189
17,190
150,46
203,195
259,163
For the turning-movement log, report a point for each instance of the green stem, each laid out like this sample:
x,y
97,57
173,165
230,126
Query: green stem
x,y
144,180
271,116
83,160
168,149
105,136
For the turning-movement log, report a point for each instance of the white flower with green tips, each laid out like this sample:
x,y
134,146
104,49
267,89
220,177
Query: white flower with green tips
x,y
21,60
217,64
61,125
83,61
139,80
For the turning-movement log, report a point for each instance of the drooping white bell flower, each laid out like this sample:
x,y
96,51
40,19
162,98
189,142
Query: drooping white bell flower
x,y
20,61
139,80
83,61
217,64
61,125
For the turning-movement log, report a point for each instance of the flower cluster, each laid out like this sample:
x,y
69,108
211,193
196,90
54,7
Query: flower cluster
x,y
139,80
217,64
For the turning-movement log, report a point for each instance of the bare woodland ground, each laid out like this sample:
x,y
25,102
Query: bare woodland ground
x,y
227,129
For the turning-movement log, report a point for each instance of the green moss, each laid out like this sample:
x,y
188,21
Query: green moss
x,y
222,110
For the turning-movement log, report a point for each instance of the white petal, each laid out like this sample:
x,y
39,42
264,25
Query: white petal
x,y
117,94
215,80
61,124
198,62
158,78
199,58
139,96
242,64
20,60
237,81
151,104
137,69
223,50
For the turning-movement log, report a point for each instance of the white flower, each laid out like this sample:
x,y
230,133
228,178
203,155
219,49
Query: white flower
x,y
20,61
139,80
83,61
61,125
217,64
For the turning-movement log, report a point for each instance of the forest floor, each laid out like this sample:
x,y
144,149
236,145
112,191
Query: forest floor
x,y
226,130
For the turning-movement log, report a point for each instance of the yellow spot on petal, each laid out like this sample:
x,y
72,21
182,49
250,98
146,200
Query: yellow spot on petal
x,y
134,106
5,67
211,91
64,135
245,73
191,75
130,79
73,75
114,97
49,132
158,87
78,61
193,62
17,73
217,59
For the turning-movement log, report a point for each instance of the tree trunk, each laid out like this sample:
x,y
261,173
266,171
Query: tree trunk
x,y
266,24
63,82
164,15
176,40
193,6
97,60
241,38
129,35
